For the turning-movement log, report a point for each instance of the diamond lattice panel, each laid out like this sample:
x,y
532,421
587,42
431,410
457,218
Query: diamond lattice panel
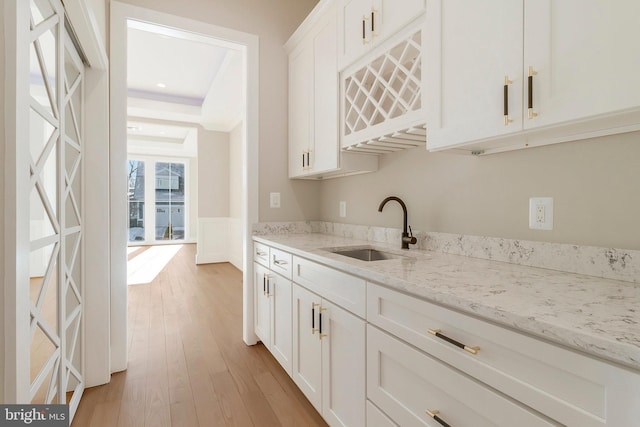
x,y
386,88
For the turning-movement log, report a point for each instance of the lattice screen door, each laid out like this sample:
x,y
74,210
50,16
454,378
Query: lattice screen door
x,y
55,265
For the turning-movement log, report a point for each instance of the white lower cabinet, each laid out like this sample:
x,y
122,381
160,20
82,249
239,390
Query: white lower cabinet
x,y
272,314
415,389
328,358
568,387
377,418
262,309
416,363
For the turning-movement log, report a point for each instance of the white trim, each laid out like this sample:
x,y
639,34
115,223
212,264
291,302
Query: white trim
x,y
16,225
120,12
88,33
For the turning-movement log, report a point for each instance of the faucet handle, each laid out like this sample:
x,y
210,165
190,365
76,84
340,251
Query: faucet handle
x,y
412,240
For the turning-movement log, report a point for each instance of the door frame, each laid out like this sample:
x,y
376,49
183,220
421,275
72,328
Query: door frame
x,y
14,371
120,13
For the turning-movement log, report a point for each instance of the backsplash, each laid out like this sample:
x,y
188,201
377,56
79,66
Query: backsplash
x,y
609,263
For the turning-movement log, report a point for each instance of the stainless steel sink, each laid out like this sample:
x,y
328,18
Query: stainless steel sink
x,y
367,254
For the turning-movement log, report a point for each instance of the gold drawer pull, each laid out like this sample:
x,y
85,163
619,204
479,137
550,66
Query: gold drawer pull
x,y
472,350
435,415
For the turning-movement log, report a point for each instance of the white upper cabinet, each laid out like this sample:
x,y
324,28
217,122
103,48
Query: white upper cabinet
x,y
300,110
509,74
470,48
313,100
314,143
363,24
586,54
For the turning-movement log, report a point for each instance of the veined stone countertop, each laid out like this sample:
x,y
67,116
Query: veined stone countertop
x,y
594,315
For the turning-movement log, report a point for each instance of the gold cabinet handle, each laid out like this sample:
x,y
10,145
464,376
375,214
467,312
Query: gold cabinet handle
x,y
507,119
435,414
472,350
320,322
313,317
373,22
364,29
531,113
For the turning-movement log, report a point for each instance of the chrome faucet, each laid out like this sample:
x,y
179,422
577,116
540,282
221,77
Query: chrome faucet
x,y
407,236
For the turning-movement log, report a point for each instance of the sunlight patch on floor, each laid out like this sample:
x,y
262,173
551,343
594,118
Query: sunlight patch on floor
x,y
132,249
145,267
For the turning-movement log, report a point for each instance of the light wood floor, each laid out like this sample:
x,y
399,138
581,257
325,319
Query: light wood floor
x,y
188,365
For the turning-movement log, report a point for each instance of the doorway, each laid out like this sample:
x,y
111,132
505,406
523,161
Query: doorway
x,y
122,17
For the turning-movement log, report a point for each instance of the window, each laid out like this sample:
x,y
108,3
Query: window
x,y
162,189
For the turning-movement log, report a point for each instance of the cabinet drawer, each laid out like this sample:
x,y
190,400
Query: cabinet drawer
x,y
347,291
280,262
569,387
405,383
261,253
376,418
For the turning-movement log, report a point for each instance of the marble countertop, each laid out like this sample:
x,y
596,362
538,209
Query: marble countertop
x,y
594,315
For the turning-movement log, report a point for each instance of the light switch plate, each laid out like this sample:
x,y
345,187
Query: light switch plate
x,y
274,200
541,213
343,209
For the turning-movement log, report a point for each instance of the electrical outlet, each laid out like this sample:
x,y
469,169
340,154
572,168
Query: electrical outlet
x,y
343,209
541,213
274,200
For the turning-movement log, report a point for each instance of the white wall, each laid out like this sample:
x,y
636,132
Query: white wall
x,y
213,174
2,201
594,184
274,21
235,195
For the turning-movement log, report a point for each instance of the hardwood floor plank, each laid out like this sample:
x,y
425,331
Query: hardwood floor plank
x,y
188,365
233,409
132,403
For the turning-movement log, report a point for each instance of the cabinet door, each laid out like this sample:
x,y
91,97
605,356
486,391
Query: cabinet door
x,y
343,367
324,156
300,102
390,16
262,315
470,48
307,356
354,26
586,56
280,294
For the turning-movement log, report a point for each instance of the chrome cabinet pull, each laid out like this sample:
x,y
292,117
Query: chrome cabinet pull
x,y
507,82
472,350
532,73
260,253
435,414
280,262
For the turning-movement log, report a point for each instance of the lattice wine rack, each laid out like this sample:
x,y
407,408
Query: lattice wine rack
x,y
382,101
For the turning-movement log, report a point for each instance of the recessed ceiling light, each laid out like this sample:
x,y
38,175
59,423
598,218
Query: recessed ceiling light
x,y
162,85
